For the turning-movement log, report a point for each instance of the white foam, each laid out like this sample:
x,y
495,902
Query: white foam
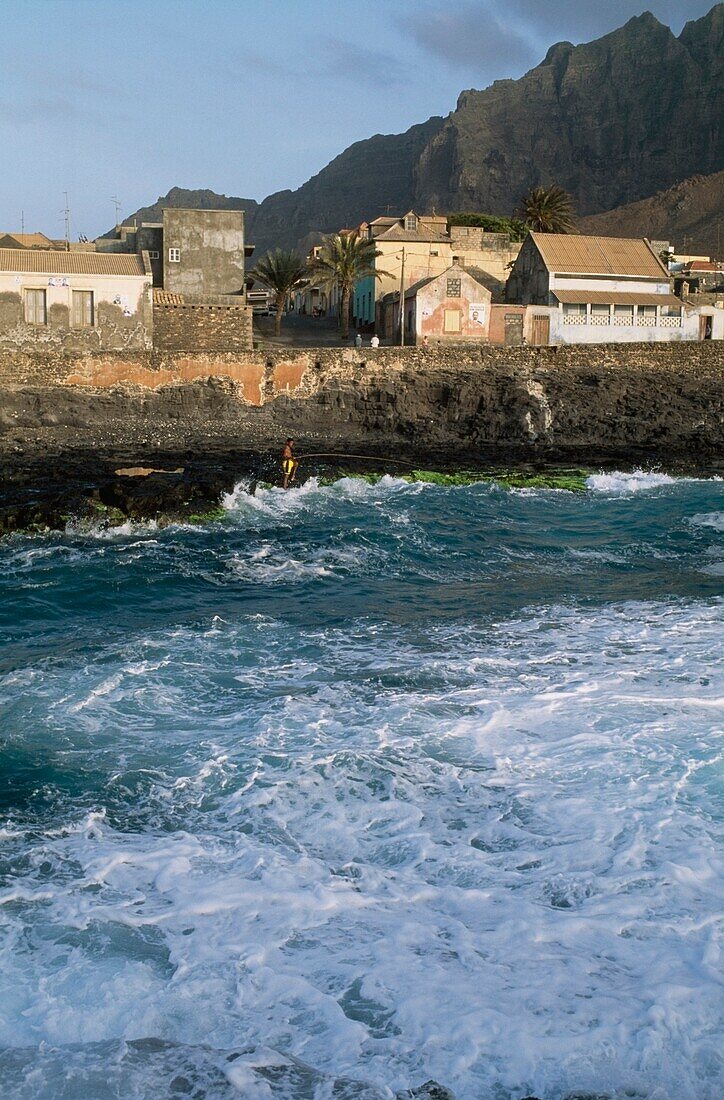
x,y
708,519
488,856
634,482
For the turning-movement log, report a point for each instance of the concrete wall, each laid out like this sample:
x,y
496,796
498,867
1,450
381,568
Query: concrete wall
x,y
122,312
201,328
211,244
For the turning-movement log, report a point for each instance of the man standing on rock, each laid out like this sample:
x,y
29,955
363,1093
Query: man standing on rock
x,y
289,463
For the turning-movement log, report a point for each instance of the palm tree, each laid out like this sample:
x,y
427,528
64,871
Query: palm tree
x,y
280,271
549,210
344,259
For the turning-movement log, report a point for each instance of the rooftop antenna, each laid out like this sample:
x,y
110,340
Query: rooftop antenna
x,y
22,221
117,203
66,215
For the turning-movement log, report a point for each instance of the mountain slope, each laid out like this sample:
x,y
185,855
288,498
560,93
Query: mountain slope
x,y
613,121
690,215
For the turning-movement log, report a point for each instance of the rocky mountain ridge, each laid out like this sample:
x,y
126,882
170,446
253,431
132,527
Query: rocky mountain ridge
x,y
614,121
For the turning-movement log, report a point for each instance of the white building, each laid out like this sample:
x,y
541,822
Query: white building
x,y
592,290
75,299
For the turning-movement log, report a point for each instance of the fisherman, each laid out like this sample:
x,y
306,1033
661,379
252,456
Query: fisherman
x,y
289,463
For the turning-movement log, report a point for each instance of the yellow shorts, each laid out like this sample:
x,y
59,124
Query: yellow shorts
x,y
288,465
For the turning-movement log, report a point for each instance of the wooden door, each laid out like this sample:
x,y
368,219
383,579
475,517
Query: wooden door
x,y
541,331
514,328
705,326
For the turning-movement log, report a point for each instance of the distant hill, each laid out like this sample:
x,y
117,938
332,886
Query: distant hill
x,y
613,121
180,197
690,214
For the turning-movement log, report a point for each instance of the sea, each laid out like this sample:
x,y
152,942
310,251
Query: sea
x,y
363,786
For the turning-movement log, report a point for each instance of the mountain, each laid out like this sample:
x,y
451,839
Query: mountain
x,y
690,215
189,200
613,121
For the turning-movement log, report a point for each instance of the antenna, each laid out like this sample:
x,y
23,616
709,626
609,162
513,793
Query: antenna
x,y
117,203
22,221
66,215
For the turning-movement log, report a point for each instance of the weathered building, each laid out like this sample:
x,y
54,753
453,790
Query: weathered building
x,y
423,246
450,308
204,253
74,301
600,290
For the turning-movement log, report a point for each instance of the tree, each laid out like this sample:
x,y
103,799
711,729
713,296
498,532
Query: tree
x,y
280,271
549,210
492,223
344,260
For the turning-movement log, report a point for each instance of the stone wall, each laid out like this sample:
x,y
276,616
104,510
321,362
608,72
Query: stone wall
x,y
202,328
660,400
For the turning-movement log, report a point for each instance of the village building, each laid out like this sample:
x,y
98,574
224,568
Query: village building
x,y
450,308
600,290
197,259
422,246
74,300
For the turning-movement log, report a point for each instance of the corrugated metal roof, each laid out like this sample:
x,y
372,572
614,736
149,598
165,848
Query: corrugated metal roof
x,y
612,297
47,262
573,254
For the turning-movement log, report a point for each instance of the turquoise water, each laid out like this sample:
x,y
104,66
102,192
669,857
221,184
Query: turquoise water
x,y
361,786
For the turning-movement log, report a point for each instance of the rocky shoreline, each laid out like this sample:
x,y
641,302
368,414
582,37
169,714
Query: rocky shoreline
x,y
44,489
207,425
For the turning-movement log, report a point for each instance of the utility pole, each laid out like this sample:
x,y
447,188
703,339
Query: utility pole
x,y
66,215
22,221
402,301
117,204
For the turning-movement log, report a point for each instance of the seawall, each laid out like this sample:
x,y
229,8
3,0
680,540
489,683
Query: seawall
x,y
663,399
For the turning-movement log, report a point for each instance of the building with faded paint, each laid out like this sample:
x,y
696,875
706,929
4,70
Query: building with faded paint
x,y
601,290
450,308
75,301
422,246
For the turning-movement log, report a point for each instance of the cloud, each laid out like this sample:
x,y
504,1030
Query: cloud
x,y
584,20
350,61
470,35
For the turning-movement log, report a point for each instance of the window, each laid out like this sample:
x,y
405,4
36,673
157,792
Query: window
x,y
574,313
411,222
452,320
434,252
646,316
153,253
82,309
600,314
623,315
174,255
35,309
670,316
453,288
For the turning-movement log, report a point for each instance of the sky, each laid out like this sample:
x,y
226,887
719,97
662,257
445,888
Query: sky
x,y
124,99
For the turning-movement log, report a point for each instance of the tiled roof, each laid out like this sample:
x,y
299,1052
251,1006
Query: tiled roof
x,y
426,236
579,255
47,262
613,297
167,298
30,240
702,265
